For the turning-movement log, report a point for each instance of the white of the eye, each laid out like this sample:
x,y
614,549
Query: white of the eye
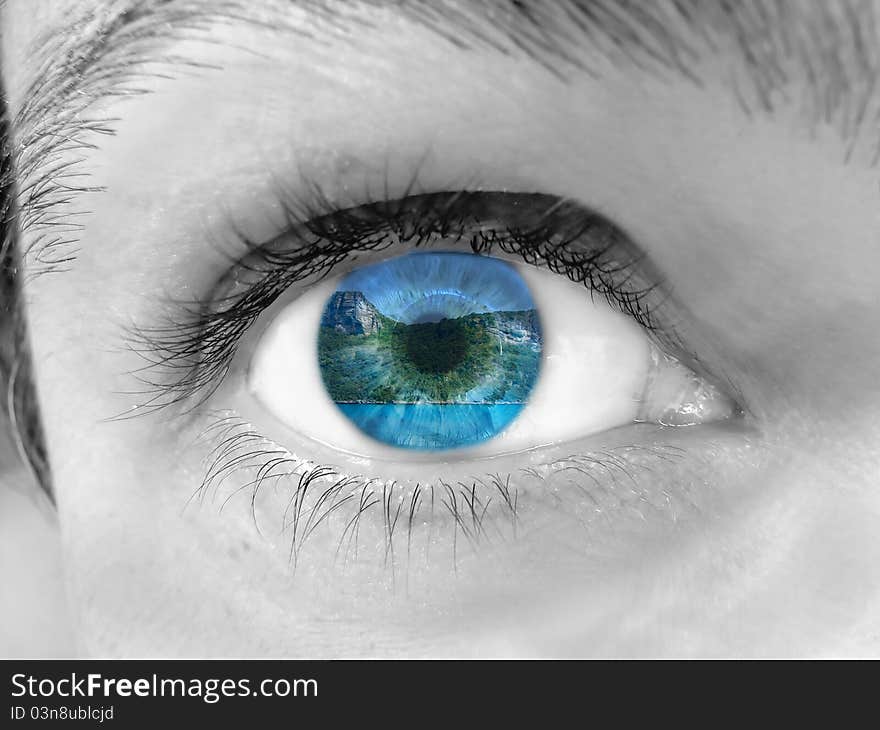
x,y
285,377
594,369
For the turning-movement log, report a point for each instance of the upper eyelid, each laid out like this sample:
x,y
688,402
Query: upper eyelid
x,y
195,344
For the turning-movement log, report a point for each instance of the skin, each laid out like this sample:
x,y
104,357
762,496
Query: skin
x,y
761,540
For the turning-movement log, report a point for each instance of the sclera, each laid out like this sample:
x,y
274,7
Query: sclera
x,y
594,370
593,373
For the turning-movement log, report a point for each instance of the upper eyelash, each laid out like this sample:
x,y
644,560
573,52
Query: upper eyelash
x,y
188,356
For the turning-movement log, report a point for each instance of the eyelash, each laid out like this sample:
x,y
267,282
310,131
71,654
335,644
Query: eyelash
x,y
484,509
188,355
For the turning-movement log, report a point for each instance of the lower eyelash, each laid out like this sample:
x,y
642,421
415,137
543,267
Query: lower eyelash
x,y
315,492
397,521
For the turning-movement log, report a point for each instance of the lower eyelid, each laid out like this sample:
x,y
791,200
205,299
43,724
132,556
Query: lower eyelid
x,y
303,508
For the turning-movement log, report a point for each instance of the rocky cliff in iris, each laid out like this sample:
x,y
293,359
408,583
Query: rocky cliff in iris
x,y
351,313
513,328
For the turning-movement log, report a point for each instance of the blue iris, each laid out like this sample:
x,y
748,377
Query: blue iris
x,y
431,350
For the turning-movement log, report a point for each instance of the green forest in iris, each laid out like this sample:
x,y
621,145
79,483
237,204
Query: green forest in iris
x,y
470,359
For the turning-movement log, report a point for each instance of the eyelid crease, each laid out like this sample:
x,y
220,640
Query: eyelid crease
x,y
188,354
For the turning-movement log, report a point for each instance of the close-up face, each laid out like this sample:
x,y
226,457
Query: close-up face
x,y
452,329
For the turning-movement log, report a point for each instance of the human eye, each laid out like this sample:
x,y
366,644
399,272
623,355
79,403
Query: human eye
x,y
411,349
355,363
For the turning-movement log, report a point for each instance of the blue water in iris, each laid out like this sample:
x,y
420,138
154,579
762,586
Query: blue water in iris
x,y
431,425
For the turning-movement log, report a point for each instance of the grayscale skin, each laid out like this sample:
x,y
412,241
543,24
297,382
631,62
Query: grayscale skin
x,y
738,154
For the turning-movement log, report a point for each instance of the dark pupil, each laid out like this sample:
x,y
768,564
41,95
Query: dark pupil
x,y
439,347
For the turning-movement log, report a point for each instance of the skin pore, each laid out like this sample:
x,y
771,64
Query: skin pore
x,y
735,149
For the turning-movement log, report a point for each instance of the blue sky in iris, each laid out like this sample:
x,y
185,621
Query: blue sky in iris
x,y
427,286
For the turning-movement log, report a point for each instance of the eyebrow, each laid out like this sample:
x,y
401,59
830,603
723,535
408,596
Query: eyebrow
x,y
826,53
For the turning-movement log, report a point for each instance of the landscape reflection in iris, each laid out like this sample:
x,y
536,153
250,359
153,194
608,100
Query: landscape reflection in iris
x,y
431,350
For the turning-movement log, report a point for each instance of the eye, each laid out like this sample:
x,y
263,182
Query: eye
x,y
585,336
442,350
412,350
